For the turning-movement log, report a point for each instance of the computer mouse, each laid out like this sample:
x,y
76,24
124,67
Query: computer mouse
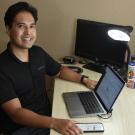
x,y
76,69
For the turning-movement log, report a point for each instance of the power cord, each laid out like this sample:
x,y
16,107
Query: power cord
x,y
105,116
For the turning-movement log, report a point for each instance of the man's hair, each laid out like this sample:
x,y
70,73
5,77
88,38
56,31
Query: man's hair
x,y
13,10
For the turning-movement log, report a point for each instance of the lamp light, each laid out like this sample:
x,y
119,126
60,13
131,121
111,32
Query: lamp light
x,y
118,35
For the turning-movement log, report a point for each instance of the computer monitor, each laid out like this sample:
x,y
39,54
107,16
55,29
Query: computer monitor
x,y
93,43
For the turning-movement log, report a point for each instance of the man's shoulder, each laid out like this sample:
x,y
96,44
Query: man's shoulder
x,y
3,56
4,60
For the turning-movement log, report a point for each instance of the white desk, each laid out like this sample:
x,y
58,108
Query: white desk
x,y
122,121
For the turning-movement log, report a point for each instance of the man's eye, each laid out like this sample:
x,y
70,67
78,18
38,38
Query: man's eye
x,y
20,26
32,26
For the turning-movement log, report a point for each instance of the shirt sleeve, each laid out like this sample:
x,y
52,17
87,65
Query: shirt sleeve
x,y
6,89
52,67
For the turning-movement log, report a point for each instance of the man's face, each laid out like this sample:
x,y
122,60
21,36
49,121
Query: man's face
x,y
22,33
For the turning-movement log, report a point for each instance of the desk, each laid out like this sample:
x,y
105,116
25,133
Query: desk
x,y
122,121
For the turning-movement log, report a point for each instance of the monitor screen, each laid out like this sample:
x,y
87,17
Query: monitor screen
x,y
93,42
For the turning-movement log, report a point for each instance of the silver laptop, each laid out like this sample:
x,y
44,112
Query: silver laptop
x,y
99,101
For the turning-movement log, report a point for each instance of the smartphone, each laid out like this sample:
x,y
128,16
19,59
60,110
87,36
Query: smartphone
x,y
91,127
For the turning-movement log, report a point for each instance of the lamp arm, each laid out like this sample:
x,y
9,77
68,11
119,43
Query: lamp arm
x,y
128,59
128,54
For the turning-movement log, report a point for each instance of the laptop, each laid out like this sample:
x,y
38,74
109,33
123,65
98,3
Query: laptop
x,y
99,101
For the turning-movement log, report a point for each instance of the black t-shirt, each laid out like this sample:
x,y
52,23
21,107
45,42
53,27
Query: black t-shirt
x,y
25,81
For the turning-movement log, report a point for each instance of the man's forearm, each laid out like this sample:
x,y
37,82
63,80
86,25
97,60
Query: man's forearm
x,y
68,74
31,119
26,117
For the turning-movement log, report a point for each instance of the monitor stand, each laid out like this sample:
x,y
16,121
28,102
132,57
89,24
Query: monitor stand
x,y
98,67
123,72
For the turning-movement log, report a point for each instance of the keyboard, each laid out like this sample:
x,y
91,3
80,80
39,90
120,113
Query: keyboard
x,y
90,102
95,67
76,69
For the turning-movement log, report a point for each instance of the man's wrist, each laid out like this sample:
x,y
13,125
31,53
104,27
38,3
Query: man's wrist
x,y
52,123
83,79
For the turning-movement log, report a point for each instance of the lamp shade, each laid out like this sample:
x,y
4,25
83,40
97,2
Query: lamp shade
x,y
118,35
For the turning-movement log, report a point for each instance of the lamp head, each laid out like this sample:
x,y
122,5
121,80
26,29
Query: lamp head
x,y
120,35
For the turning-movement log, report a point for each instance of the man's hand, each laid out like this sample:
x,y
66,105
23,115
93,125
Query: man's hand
x,y
90,83
66,127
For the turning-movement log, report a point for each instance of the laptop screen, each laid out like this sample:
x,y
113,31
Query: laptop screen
x,y
109,88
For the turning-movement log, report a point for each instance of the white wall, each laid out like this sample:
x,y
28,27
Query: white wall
x,y
57,20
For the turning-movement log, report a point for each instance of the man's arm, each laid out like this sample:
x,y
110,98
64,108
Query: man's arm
x,y
68,74
26,117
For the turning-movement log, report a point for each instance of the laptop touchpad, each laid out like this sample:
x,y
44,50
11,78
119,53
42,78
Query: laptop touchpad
x,y
74,108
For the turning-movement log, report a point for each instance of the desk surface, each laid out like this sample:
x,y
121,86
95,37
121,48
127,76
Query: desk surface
x,y
122,121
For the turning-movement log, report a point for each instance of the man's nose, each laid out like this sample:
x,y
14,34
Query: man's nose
x,y
27,31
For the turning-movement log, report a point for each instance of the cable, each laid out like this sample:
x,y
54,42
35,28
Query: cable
x,y
105,116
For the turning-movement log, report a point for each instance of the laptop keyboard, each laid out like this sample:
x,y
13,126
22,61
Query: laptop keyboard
x,y
89,102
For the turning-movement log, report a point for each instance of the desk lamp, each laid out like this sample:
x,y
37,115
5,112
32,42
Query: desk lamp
x,y
120,35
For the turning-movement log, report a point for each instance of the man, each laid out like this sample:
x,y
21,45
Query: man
x,y
24,105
